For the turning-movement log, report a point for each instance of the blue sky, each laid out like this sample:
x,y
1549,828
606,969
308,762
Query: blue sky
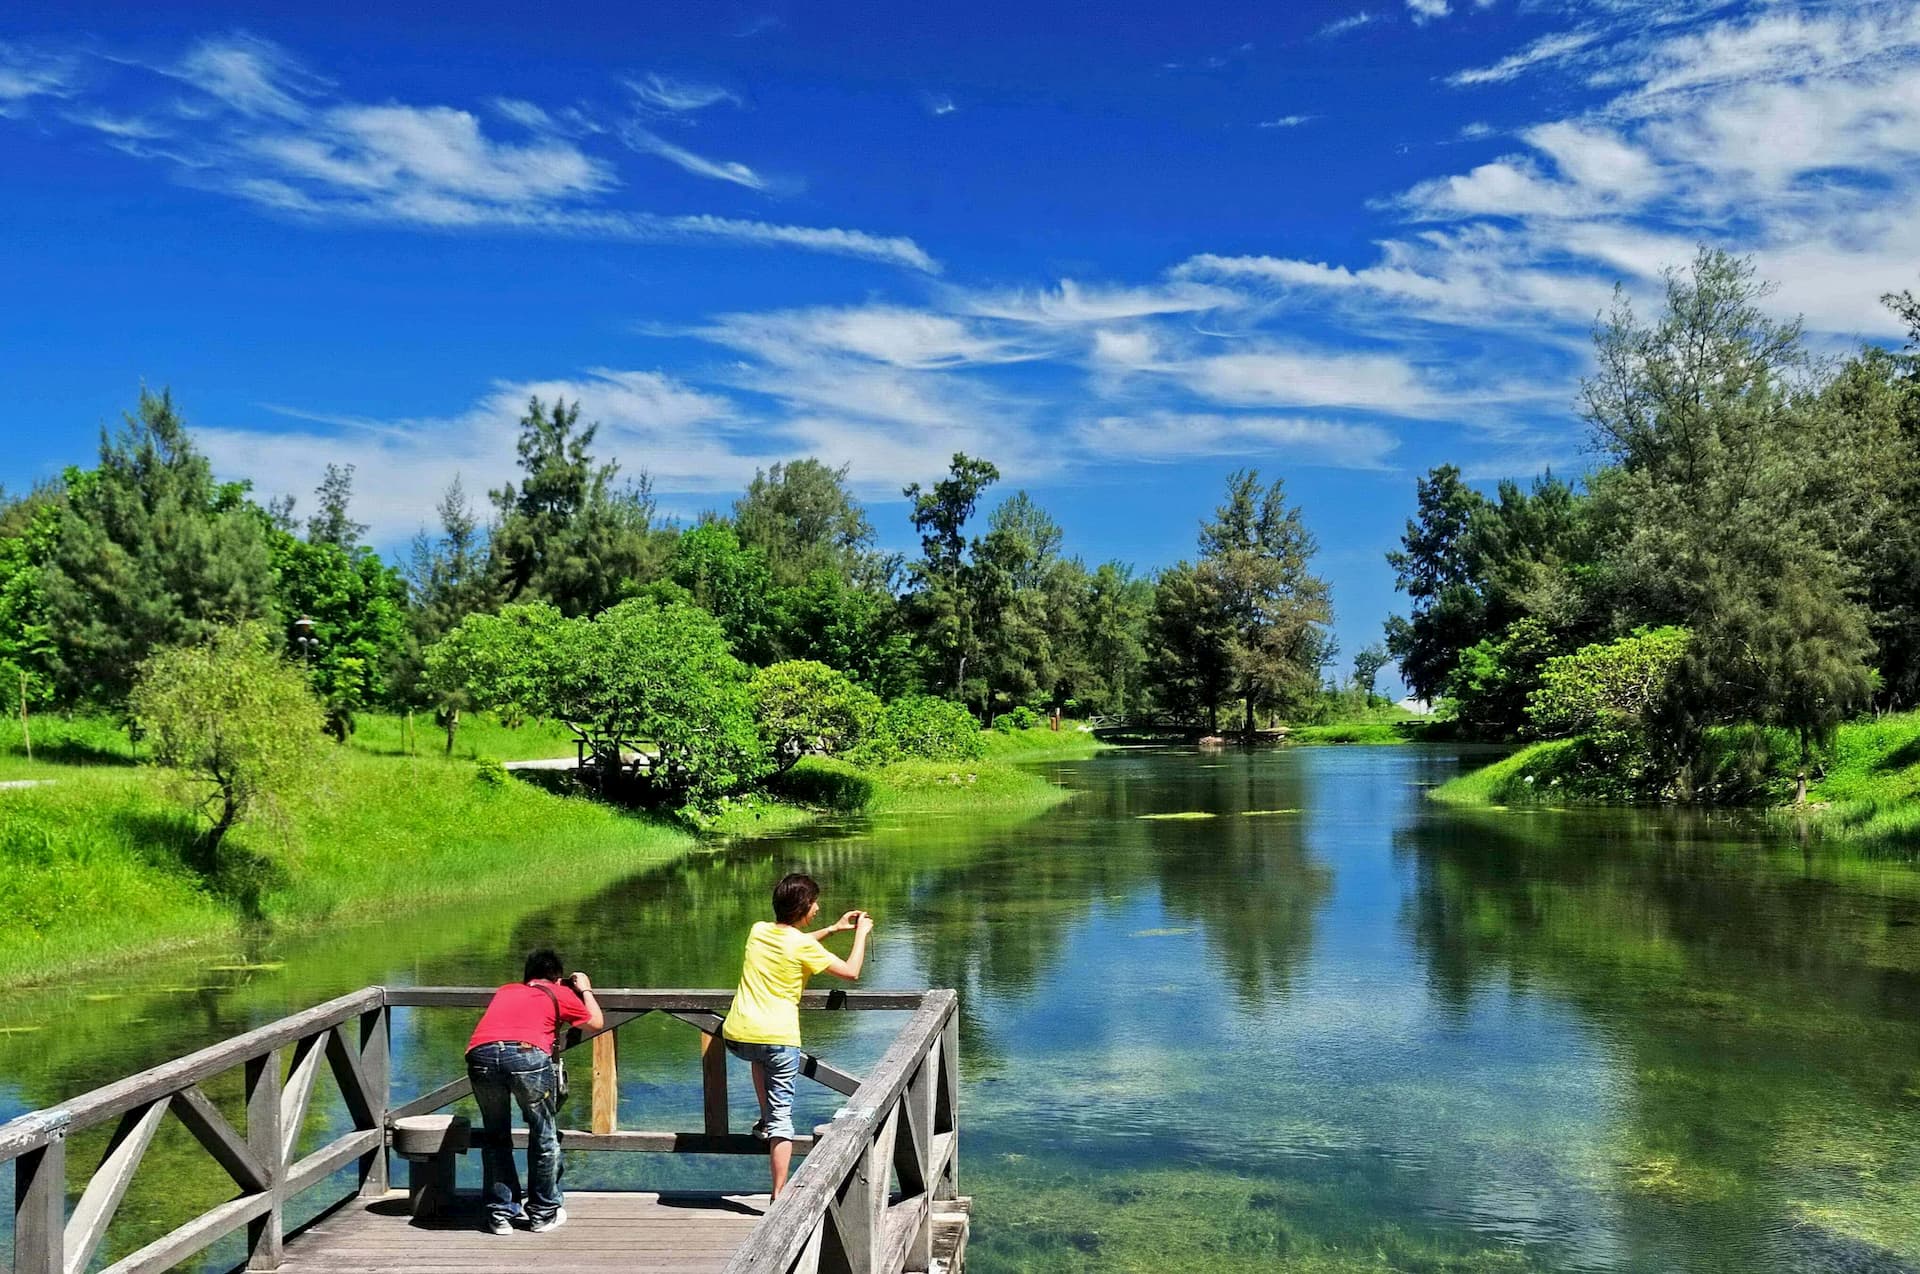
x,y
1120,250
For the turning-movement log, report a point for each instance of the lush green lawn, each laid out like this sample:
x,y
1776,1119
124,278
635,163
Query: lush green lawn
x,y
1072,739
1362,732
1869,789
106,861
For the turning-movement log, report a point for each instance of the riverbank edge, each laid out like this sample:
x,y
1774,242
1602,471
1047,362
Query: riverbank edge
x,y
112,849
1867,792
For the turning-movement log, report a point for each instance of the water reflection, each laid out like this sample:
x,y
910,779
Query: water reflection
x,y
1327,1026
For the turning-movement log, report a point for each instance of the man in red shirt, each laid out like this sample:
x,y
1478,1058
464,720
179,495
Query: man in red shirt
x,y
511,1055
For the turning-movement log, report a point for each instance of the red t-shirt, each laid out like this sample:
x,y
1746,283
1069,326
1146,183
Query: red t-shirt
x,y
522,1011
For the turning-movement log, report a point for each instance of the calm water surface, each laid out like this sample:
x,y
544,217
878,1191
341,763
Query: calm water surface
x,y
1327,1026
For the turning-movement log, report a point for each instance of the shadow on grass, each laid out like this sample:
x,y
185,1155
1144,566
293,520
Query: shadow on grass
x,y
825,785
75,752
232,873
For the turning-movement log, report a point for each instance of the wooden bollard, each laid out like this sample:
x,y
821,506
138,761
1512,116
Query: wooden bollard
x,y
713,1083
606,1083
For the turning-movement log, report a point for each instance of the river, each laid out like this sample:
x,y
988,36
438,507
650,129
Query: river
x,y
1312,1021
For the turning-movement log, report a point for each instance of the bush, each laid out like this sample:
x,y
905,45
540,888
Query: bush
x,y
236,722
1021,718
925,728
802,707
489,772
1611,693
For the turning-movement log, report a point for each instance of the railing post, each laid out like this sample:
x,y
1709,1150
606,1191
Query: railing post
x,y
375,1054
852,1239
713,1083
913,1153
40,1209
266,1233
946,1115
606,1083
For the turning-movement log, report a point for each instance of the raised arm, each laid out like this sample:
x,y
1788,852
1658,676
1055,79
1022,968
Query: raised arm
x,y
584,986
849,968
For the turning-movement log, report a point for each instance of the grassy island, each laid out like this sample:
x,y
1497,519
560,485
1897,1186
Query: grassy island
x,y
1868,789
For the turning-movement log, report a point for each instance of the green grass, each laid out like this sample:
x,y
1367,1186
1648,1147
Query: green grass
x,y
385,734
105,863
1072,739
1533,774
915,787
1371,733
1867,789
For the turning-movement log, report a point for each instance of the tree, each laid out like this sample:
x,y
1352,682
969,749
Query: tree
x,y
150,552
504,662
804,707
1190,640
1367,664
233,719
659,679
357,605
1253,573
926,728
1435,568
735,584
1112,636
801,515
567,534
28,527
852,628
1025,597
334,524
943,600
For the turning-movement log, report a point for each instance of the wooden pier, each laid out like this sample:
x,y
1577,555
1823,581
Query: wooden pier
x,y
876,1193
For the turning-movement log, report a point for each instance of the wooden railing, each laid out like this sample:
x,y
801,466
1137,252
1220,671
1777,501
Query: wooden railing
x,y
839,1213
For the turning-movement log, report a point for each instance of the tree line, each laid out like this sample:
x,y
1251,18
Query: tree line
x,y
1738,573
147,552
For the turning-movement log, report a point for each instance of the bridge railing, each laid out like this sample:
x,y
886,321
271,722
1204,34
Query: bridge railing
x,y
838,1214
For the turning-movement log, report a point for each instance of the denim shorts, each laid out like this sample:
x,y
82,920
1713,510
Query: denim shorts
x,y
782,1062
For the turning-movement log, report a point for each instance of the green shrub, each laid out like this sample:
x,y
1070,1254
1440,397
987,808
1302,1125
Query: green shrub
x,y
1611,694
925,728
802,707
236,723
489,772
1021,718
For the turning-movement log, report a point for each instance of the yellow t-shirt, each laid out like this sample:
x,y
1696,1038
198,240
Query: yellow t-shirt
x,y
778,962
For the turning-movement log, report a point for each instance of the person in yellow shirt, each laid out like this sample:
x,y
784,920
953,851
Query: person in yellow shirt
x,y
763,1026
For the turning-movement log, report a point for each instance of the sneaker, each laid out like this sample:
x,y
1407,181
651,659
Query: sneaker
x,y
498,1225
554,1222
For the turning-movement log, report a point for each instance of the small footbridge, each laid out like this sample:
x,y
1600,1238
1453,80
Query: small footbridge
x,y
877,1191
1163,728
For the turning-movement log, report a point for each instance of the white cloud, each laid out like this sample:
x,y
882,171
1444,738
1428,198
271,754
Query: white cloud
x,y
1546,50
260,127
1297,376
1425,11
1353,22
938,104
1073,303
648,143
1287,121
27,73
896,335
1165,436
674,96
251,76
1133,349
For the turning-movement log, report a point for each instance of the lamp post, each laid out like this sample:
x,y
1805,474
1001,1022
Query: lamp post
x,y
305,644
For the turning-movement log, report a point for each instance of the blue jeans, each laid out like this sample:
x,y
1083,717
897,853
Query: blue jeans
x,y
780,1065
500,1071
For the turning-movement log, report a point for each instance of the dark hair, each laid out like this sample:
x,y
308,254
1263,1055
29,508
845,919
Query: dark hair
x,y
544,963
792,896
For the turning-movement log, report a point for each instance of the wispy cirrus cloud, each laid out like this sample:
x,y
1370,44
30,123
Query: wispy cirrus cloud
x,y
1287,121
1169,436
672,95
246,119
1352,22
1546,50
27,73
649,143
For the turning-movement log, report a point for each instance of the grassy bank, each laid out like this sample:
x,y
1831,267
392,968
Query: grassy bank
x,y
103,863
1867,791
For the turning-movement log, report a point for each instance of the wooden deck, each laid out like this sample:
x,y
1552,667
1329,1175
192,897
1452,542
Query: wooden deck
x,y
877,1191
637,1232
679,1233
